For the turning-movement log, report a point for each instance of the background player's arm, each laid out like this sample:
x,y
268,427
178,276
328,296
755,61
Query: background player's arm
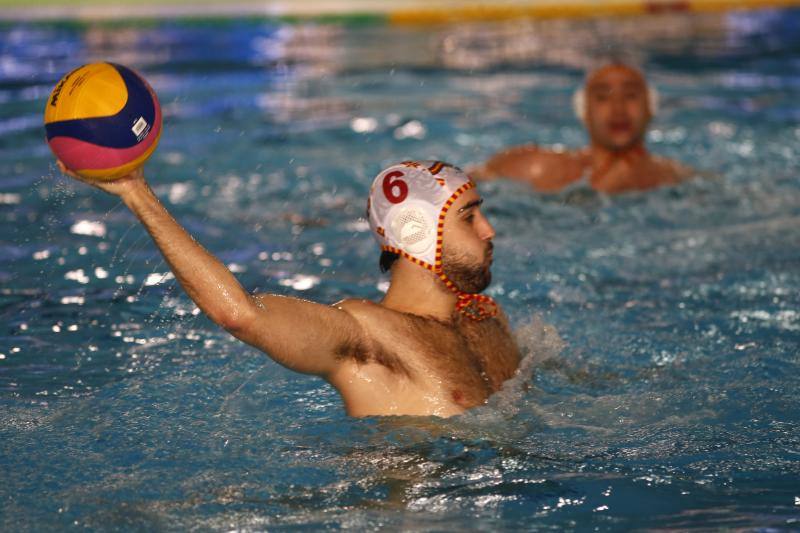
x,y
543,169
511,163
303,336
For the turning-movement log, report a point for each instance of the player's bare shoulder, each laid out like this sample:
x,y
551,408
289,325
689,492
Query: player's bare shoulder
x,y
357,306
385,327
501,319
369,316
671,171
367,313
376,343
547,170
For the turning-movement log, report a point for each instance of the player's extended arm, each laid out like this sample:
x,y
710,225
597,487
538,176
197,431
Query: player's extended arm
x,y
303,336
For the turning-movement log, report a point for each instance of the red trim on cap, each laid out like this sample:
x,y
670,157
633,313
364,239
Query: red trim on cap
x,y
436,167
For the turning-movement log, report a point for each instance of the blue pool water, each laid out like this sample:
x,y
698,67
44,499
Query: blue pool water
x,y
661,394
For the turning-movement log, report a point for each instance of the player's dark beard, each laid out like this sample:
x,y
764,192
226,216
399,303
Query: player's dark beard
x,y
468,274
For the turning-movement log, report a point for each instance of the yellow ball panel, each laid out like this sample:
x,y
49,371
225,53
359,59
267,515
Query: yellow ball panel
x,y
93,90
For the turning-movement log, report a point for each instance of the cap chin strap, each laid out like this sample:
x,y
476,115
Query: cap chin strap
x,y
473,306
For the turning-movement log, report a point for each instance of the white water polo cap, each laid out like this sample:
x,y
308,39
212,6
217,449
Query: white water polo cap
x,y
579,97
407,204
406,210
579,102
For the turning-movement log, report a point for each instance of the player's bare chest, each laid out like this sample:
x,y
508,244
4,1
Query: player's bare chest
x,y
472,359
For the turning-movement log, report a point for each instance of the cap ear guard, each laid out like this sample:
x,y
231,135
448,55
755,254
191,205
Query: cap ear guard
x,y
653,100
412,228
579,102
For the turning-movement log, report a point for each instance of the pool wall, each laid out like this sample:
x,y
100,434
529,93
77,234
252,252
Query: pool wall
x,y
406,12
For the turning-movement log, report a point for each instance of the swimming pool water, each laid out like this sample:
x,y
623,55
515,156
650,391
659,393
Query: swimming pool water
x,y
663,393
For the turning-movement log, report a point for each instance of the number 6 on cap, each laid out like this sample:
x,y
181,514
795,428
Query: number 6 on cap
x,y
392,186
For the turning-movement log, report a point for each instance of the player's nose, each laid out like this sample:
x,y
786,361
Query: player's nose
x,y
485,229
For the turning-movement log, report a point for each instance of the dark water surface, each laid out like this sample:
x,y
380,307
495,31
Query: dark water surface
x,y
670,399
